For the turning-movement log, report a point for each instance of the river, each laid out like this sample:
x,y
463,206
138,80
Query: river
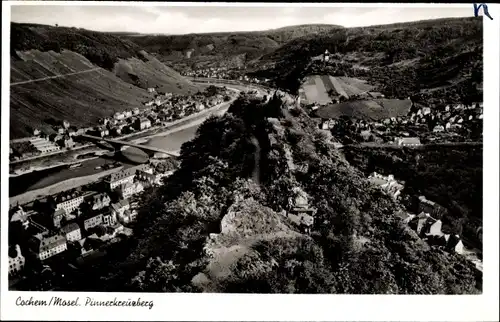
x,y
170,141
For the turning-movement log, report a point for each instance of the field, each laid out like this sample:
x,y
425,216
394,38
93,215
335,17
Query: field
x,y
80,98
366,109
316,87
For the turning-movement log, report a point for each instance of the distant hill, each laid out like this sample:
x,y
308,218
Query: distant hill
x,y
83,75
422,58
213,49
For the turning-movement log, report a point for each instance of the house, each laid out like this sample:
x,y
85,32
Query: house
x,y
119,116
58,216
411,141
128,114
108,217
69,201
300,213
66,124
129,189
438,128
426,110
71,232
142,123
46,247
151,90
448,125
93,220
16,260
67,142
146,176
61,130
200,107
136,111
128,216
119,178
100,201
119,208
36,132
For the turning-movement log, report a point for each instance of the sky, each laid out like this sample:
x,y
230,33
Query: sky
x,y
160,19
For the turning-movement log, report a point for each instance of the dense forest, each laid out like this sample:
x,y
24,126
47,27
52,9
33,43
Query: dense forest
x,y
450,176
357,245
219,47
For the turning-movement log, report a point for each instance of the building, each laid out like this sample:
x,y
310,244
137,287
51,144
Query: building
x,y
142,124
66,124
93,221
430,207
387,183
57,217
129,189
69,201
44,145
122,212
136,111
119,208
46,247
326,56
99,201
16,260
128,114
72,232
411,142
119,116
109,217
151,90
119,178
438,128
66,142
146,176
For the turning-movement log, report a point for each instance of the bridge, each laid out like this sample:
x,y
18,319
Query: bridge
x,y
117,144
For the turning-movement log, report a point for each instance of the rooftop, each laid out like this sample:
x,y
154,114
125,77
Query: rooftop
x,y
70,228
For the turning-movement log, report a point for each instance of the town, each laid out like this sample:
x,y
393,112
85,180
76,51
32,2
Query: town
x,y
74,227
160,112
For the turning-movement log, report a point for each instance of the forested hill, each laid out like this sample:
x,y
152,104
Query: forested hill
x,y
228,48
210,228
424,57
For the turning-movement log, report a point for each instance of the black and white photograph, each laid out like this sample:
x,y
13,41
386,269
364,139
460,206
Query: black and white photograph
x,y
300,149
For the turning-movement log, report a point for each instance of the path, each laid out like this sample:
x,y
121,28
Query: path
x,y
52,77
256,170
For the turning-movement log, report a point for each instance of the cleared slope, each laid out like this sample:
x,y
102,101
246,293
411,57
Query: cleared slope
x,y
80,99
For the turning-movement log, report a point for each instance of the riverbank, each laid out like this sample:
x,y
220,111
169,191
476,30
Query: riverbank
x,y
59,187
68,158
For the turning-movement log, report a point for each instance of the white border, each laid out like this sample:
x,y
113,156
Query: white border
x,y
224,307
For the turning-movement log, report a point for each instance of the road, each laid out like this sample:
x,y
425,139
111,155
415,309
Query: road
x,y
56,76
389,145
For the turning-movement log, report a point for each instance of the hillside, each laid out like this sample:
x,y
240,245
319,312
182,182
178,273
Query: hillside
x,y
222,49
211,229
80,76
422,59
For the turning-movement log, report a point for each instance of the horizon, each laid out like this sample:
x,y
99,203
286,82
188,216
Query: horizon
x,y
217,19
